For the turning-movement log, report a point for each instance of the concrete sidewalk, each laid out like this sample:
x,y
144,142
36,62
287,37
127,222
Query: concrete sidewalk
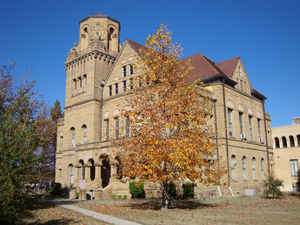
x,y
99,216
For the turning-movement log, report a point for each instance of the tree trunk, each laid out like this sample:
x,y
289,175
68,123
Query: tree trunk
x,y
165,202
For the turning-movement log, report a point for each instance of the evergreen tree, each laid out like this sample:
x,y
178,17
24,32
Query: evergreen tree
x,y
19,162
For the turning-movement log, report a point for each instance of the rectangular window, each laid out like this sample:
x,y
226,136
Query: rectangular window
x,y
73,137
253,169
294,167
124,85
61,142
106,122
131,84
131,69
116,88
262,169
250,128
230,122
110,90
244,170
241,123
117,126
124,71
127,127
258,129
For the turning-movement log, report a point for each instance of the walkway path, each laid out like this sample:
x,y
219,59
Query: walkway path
x,y
99,216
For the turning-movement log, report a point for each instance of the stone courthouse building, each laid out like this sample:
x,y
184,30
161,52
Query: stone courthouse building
x,y
99,74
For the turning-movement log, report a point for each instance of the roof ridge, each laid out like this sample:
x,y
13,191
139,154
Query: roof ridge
x,y
214,65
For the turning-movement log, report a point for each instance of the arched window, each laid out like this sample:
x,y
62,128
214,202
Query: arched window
x,y
233,165
244,169
73,137
80,82
298,140
292,141
81,162
253,168
92,169
262,168
61,142
84,132
84,80
284,143
277,143
75,84
71,174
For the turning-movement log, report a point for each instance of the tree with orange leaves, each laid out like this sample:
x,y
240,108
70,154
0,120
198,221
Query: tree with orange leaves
x,y
169,133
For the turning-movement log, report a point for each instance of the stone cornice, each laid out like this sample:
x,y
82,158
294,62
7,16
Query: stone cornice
x,y
93,53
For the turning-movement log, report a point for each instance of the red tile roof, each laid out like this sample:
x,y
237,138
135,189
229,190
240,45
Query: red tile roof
x,y
228,66
136,46
203,67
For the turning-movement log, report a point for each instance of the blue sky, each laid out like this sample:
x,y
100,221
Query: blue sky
x,y
37,34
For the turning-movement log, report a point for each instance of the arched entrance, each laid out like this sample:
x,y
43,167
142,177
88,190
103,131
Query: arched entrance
x,y
105,170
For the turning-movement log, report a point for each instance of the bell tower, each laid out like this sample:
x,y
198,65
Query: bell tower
x,y
87,65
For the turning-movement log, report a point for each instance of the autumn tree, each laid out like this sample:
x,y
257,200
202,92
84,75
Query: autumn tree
x,y
169,133
19,108
47,131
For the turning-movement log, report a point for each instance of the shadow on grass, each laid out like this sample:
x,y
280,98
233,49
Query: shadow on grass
x,y
54,222
176,204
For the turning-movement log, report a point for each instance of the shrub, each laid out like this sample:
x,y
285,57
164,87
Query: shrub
x,y
171,190
188,190
77,195
136,190
272,187
57,191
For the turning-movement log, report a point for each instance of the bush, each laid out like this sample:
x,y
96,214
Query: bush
x,y
188,190
136,190
171,190
272,188
57,191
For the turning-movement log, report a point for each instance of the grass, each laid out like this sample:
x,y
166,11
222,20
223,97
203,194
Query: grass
x,y
49,214
243,210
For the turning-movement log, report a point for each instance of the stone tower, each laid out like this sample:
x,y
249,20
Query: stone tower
x,y
87,65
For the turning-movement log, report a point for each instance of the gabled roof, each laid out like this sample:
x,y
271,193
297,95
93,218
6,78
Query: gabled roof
x,y
228,66
203,67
